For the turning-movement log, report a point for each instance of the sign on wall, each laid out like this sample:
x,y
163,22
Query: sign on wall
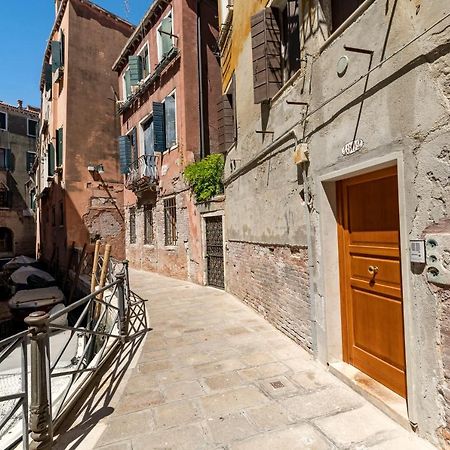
x,y
352,147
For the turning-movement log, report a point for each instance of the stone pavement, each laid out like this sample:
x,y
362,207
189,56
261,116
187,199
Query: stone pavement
x,y
212,374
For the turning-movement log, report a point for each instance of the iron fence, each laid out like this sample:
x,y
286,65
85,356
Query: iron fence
x,y
142,171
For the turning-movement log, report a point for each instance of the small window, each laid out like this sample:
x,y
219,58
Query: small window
x,y
145,60
170,221
3,121
32,127
148,224
6,240
341,10
5,159
4,197
30,160
165,37
132,225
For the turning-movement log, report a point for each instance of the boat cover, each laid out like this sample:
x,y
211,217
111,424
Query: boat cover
x,y
36,298
20,276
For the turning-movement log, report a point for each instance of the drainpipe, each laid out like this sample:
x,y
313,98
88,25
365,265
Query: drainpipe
x,y
200,83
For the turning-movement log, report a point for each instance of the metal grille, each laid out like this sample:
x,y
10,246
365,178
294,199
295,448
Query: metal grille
x,y
170,221
214,251
148,224
132,225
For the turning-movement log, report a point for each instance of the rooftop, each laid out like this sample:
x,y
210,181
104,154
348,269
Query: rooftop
x,y
28,110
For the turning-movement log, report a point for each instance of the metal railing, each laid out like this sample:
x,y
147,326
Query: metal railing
x,y
64,357
142,171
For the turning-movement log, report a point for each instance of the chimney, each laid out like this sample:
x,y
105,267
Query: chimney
x,y
20,104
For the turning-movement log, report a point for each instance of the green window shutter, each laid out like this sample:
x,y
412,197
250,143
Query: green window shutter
x,y
8,159
56,55
124,153
135,65
159,127
170,121
48,76
134,145
127,84
59,147
51,159
166,35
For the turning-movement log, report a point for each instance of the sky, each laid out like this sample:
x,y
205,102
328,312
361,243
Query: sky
x,y
24,31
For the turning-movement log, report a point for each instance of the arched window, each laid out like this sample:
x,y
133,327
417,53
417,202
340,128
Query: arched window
x,y
6,240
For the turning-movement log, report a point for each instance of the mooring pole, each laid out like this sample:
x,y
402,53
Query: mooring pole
x,y
40,414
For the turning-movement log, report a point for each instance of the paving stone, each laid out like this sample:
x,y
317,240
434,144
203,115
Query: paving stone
x,y
257,358
140,383
268,417
125,445
176,375
406,442
232,401
264,371
154,366
175,413
182,438
219,367
321,403
301,437
312,380
278,387
183,390
229,428
366,422
139,401
224,381
119,429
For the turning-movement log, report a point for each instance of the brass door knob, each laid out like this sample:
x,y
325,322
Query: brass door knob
x,y
373,270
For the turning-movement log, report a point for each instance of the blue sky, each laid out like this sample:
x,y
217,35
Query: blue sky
x,y
25,28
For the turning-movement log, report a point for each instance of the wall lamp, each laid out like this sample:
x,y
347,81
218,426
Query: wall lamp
x,y
96,168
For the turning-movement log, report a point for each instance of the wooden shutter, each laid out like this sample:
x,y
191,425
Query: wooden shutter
x,y
48,76
134,145
59,147
127,84
170,121
56,55
266,51
124,154
135,65
159,127
225,123
51,159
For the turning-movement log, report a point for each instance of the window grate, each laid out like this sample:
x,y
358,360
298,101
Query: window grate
x,y
132,225
148,224
170,221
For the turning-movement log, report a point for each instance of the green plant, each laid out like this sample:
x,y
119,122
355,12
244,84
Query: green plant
x,y
205,177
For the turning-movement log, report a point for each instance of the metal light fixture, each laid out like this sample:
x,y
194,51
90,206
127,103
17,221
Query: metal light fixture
x,y
96,168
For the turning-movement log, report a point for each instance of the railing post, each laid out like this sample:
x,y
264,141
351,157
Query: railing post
x,y
121,300
40,415
127,278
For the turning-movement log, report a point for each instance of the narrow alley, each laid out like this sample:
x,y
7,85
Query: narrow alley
x,y
213,374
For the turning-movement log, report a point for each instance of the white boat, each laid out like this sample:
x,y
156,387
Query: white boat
x,y
34,299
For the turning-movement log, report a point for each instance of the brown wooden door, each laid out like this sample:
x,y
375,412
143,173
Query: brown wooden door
x,y
370,269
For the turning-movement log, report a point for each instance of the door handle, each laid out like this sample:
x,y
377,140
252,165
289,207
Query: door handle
x,y
373,270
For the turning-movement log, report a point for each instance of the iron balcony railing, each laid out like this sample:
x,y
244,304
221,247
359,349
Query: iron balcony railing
x,y
142,173
56,359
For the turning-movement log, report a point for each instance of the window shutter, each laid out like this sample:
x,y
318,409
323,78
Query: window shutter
x,y
51,159
225,123
56,55
266,51
169,112
159,127
127,84
59,147
166,35
135,65
8,159
48,76
30,160
124,153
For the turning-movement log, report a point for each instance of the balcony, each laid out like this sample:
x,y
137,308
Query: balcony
x,y
142,174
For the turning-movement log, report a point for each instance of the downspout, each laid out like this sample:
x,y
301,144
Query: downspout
x,y
200,83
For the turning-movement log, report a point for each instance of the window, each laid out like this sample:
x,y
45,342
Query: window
x,y
3,121
51,159
6,240
30,160
59,147
165,37
165,124
126,84
5,197
31,127
134,145
5,159
170,221
341,10
145,61
148,224
170,119
132,225
227,123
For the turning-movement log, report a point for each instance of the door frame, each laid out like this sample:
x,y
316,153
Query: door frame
x,y
329,338
205,216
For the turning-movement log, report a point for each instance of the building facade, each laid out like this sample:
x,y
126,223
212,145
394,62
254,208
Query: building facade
x,y
18,127
336,181
80,190
169,89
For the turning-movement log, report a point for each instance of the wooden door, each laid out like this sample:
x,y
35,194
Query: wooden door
x,y
370,270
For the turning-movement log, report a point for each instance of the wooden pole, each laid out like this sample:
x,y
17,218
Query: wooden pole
x,y
103,279
94,265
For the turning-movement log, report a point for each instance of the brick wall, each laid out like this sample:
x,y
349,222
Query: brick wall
x,y
274,281
444,296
